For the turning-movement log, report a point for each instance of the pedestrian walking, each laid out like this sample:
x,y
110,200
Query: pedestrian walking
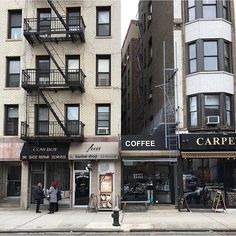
x,y
52,192
39,195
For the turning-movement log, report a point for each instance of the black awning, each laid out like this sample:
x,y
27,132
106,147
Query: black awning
x,y
45,151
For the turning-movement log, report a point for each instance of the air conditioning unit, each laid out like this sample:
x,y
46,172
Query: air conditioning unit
x,y
149,17
103,130
213,120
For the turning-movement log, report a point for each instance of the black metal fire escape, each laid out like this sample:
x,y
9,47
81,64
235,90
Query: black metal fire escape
x,y
60,79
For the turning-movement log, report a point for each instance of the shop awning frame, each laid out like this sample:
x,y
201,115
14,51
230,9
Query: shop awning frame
x,y
202,155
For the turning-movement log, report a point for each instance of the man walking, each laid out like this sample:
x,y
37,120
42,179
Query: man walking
x,y
39,195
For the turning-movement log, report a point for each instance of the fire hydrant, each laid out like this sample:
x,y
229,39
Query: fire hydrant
x,y
115,216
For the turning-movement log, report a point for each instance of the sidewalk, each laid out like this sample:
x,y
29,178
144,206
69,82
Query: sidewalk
x,y
80,220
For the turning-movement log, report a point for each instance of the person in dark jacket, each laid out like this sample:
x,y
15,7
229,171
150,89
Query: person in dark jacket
x,y
58,198
39,195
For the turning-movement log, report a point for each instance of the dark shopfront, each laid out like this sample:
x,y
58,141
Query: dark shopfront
x,y
209,164
149,173
47,163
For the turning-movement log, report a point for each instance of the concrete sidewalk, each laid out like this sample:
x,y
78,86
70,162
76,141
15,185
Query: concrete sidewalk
x,y
80,220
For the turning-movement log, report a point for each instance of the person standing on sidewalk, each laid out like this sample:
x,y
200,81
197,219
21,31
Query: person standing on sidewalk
x,y
39,195
52,197
58,197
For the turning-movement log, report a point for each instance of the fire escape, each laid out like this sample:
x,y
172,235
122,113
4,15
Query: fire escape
x,y
39,83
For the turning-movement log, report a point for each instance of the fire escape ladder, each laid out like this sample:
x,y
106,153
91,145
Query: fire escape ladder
x,y
51,55
50,2
54,113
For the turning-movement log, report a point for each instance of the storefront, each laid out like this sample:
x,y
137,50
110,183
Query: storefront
x,y
149,173
47,162
10,172
96,171
209,164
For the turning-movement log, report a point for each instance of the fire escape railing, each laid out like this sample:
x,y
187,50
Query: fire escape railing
x,y
52,78
51,129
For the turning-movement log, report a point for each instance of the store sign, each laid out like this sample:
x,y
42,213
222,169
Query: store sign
x,y
141,142
52,151
94,151
208,142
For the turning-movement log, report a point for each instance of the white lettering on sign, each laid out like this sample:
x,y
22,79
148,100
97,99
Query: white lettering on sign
x,y
48,149
140,143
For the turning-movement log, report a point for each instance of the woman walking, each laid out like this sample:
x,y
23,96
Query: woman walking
x,y
52,197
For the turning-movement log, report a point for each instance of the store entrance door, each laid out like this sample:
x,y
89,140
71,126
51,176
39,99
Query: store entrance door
x,y
82,184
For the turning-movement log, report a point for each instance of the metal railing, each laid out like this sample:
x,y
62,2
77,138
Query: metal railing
x,y
51,129
52,78
53,25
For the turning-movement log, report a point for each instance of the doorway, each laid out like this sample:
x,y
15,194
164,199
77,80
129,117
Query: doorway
x,y
82,186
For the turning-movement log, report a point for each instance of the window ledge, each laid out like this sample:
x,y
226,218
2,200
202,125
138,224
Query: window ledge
x,y
103,87
103,37
209,72
14,40
207,19
12,88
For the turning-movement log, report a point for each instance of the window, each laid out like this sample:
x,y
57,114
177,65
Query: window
x,y
73,18
44,20
227,65
191,10
72,119
150,8
103,119
193,111
228,108
11,120
192,58
42,120
203,105
15,24
103,21
43,69
150,50
103,70
212,105
13,72
210,55
225,9
72,68
209,8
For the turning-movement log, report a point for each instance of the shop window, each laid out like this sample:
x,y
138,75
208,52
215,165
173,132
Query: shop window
x,y
13,72
11,120
15,24
72,119
103,70
14,181
103,119
103,21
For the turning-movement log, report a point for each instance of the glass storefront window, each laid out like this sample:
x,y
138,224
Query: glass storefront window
x,y
202,177
147,181
48,172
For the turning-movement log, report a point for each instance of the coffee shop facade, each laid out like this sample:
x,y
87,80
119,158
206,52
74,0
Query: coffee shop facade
x,y
208,163
149,171
80,169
